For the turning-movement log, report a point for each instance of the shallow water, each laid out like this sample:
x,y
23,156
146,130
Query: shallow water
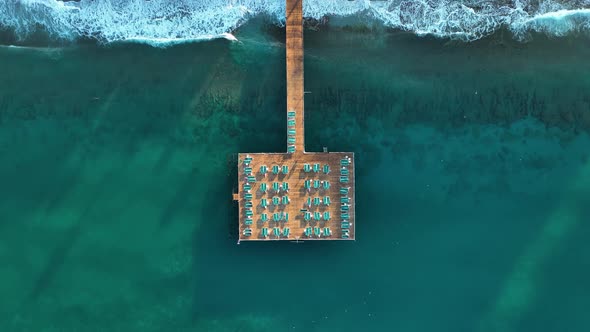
x,y
473,178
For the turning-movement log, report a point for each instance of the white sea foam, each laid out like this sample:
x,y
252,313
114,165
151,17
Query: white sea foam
x,y
169,22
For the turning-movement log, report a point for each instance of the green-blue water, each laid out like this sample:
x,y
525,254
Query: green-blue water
x,y
473,186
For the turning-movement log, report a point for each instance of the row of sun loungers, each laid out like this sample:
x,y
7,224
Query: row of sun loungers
x,y
291,131
317,216
318,201
317,184
317,231
277,216
277,232
316,168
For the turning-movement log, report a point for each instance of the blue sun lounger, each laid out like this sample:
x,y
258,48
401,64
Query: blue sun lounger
x,y
317,216
344,207
276,187
316,167
343,191
248,204
291,123
344,171
248,196
249,213
247,232
248,221
263,187
308,231
276,231
345,235
285,169
327,200
344,179
327,231
326,185
285,186
291,132
316,231
263,203
345,224
291,140
286,231
307,216
247,187
248,170
285,200
316,201
306,168
326,169
291,114
291,149
263,169
344,200
308,202
307,184
264,217
275,169
316,184
327,215
343,162
251,179
344,216
264,232
276,200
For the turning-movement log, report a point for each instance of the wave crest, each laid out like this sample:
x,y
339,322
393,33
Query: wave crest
x,y
178,20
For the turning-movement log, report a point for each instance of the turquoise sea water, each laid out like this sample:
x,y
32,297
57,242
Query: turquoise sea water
x,y
473,185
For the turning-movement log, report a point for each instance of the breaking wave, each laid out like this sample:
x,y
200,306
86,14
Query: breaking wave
x,y
167,22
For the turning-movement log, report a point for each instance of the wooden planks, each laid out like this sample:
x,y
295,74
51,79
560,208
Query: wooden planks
x,y
294,47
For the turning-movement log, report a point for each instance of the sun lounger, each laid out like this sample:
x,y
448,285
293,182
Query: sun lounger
x,y
307,216
248,204
316,201
251,179
248,221
307,184
343,191
291,149
344,200
285,200
263,187
275,169
247,232
326,169
275,200
291,132
316,168
327,215
291,123
316,184
263,169
306,168
264,217
326,185
276,231
327,231
276,187
264,232
285,169
317,216
291,113
285,186
291,140
248,196
247,187
316,231
308,231
286,231
263,203
345,224
344,216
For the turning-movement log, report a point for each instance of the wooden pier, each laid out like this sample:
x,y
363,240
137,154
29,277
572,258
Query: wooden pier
x,y
296,195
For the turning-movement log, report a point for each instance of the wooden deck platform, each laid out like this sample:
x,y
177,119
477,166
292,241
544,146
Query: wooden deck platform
x,y
296,195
